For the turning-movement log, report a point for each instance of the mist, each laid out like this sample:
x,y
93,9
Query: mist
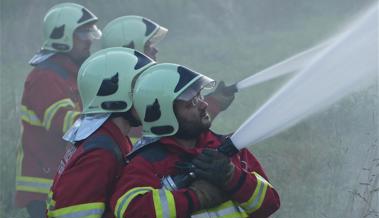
x,y
325,166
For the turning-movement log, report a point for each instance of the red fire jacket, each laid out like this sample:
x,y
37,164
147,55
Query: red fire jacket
x,y
87,175
139,192
50,104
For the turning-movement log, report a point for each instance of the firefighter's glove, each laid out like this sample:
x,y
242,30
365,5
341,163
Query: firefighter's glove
x,y
208,194
185,167
223,95
213,166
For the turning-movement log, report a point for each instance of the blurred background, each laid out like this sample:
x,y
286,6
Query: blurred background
x,y
325,166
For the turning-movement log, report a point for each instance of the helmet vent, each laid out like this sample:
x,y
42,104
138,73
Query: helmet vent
x,y
108,86
153,112
60,46
186,76
161,130
150,27
86,15
57,32
142,60
114,105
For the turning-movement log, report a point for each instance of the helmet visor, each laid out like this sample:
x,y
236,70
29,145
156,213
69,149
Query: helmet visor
x,y
200,84
158,36
92,33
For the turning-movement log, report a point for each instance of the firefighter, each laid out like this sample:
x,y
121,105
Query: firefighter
x,y
134,32
168,99
99,142
143,34
50,101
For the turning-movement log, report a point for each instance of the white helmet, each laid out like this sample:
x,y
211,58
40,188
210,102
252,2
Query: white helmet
x,y
60,23
156,90
105,79
132,32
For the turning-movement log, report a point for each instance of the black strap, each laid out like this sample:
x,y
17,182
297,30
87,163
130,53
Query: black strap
x,y
62,72
151,152
104,142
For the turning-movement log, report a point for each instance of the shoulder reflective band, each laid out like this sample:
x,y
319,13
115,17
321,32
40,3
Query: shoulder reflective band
x,y
29,116
69,119
52,110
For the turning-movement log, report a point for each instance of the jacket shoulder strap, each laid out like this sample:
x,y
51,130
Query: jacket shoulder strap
x,y
105,142
62,72
152,152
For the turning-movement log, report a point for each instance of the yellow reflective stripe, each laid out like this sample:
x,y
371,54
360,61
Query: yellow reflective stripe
x,y
157,204
89,210
50,203
164,203
227,209
52,110
163,200
33,184
171,203
124,201
29,116
256,200
69,119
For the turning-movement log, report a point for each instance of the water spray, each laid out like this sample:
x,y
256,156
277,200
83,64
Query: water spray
x,y
321,82
288,66
346,65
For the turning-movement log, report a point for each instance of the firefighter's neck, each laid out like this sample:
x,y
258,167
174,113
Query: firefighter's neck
x,y
186,143
122,124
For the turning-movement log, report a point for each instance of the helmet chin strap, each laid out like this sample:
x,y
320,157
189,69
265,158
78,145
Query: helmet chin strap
x,y
133,122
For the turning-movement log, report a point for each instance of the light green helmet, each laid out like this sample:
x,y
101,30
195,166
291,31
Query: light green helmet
x,y
60,23
156,90
132,32
105,79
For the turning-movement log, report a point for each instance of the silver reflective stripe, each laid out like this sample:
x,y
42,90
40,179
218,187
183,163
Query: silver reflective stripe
x,y
254,204
224,212
201,215
164,203
85,213
29,116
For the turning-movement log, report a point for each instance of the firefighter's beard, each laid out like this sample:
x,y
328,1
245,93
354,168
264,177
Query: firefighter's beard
x,y
192,129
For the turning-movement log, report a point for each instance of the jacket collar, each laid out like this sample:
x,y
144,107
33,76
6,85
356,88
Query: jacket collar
x,y
66,62
207,139
117,135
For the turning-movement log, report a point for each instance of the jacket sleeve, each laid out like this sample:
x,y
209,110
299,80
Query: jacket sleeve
x,y
250,187
139,194
47,103
85,188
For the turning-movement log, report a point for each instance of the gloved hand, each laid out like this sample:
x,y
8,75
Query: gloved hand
x,y
213,166
208,194
223,95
